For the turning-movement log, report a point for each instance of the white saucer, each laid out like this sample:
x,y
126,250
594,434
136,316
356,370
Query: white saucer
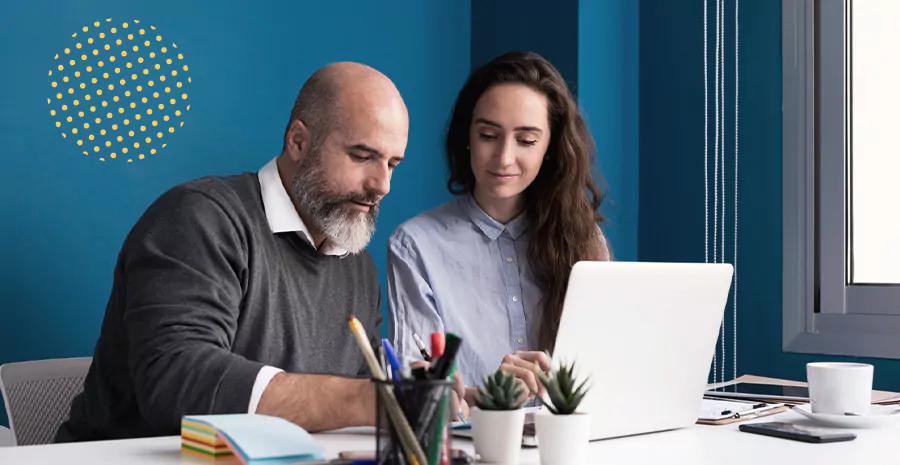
x,y
879,415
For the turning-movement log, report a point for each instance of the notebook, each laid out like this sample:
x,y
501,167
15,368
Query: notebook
x,y
253,439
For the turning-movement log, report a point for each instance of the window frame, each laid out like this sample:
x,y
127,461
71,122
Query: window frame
x,y
822,313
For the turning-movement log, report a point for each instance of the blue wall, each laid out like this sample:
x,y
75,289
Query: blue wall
x,y
65,215
608,84
500,26
671,168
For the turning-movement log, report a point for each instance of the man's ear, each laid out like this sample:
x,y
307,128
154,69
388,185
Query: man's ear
x,y
297,140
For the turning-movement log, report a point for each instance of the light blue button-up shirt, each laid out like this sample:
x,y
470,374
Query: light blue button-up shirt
x,y
456,269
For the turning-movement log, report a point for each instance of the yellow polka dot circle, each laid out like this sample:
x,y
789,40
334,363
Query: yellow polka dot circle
x,y
113,77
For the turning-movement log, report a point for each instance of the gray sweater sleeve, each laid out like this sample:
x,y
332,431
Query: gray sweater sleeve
x,y
185,269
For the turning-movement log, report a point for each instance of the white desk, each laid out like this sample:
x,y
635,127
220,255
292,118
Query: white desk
x,y
697,445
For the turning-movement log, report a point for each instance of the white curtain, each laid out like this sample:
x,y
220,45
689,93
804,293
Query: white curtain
x,y
721,210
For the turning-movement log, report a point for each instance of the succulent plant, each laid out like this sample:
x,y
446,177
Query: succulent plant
x,y
500,392
560,387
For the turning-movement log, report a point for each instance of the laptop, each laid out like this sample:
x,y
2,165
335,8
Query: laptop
x,y
645,333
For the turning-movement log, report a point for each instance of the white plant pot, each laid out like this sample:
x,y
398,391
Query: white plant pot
x,y
563,439
498,434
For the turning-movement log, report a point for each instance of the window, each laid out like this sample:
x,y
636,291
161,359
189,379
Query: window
x,y
841,177
874,152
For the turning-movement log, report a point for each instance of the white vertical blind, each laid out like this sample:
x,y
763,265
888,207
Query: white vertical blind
x,y
722,211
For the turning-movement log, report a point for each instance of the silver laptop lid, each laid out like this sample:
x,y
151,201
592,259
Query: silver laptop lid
x,y
646,335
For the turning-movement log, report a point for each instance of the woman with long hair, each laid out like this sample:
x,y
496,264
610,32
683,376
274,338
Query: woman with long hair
x,y
492,265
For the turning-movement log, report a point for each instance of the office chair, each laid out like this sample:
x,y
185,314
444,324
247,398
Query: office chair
x,y
38,396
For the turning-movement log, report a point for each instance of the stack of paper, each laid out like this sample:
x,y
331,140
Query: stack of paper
x,y
203,440
251,438
795,398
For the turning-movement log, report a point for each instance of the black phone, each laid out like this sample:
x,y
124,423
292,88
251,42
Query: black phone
x,y
796,432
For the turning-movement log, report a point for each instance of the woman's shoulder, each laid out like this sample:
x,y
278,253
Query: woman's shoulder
x,y
436,222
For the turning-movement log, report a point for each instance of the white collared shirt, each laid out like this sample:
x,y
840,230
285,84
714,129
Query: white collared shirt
x,y
282,217
280,211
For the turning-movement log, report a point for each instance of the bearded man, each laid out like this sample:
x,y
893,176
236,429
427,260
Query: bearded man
x,y
232,294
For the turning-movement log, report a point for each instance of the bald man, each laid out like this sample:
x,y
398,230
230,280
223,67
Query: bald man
x,y
231,294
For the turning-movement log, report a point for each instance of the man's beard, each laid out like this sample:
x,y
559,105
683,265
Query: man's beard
x,y
350,230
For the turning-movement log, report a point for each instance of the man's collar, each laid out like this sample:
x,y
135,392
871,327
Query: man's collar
x,y
280,211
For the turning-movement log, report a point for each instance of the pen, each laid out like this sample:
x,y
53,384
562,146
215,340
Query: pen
x,y
392,359
453,343
754,412
443,366
421,345
411,447
452,348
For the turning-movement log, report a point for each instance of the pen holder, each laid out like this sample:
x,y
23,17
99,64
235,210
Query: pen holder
x,y
426,406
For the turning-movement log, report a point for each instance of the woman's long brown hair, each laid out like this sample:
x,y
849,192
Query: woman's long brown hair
x,y
563,202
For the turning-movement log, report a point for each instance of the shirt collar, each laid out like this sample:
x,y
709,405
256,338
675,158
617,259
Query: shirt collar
x,y
491,227
280,211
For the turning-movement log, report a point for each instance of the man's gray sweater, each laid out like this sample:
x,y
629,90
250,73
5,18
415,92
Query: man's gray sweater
x,y
204,295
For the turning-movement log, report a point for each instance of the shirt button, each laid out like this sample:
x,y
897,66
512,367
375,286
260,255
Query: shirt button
x,y
509,259
520,340
515,298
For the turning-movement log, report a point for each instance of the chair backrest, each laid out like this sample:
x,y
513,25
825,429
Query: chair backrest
x,y
38,396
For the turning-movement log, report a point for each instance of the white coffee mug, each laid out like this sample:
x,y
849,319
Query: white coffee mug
x,y
840,388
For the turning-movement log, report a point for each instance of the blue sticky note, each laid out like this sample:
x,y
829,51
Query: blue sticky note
x,y
262,438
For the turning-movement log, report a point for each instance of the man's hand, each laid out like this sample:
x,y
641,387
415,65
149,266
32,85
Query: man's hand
x,y
319,402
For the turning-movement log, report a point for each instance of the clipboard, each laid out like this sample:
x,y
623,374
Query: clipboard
x,y
715,411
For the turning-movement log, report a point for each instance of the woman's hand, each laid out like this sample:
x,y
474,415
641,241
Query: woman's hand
x,y
525,366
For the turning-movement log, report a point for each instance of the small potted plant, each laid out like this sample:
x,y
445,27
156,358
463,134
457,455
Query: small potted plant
x,y
498,418
563,432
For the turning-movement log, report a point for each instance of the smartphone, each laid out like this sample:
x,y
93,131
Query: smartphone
x,y
796,432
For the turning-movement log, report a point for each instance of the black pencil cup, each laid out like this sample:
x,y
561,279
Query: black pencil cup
x,y
426,406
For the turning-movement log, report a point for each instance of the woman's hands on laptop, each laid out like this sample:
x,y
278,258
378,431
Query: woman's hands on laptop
x,y
525,366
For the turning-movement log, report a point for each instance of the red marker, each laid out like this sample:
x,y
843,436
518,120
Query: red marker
x,y
437,345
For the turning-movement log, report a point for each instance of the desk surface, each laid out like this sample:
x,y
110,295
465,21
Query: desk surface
x,y
697,445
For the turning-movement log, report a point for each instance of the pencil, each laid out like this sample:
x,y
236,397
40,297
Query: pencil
x,y
411,447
